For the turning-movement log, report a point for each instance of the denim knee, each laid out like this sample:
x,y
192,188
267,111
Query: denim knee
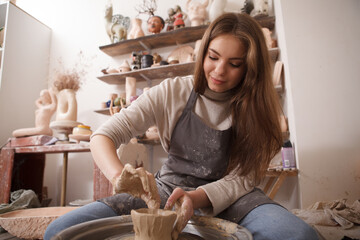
x,y
273,222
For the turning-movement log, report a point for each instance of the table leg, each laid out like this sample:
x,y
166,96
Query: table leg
x,y
64,180
277,184
269,184
6,167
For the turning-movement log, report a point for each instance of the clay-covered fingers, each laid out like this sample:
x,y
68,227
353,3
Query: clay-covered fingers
x,y
126,182
184,208
151,195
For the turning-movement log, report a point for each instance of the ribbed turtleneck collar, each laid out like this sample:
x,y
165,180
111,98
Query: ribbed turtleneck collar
x,y
217,96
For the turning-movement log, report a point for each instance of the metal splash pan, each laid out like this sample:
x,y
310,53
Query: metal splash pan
x,y
121,228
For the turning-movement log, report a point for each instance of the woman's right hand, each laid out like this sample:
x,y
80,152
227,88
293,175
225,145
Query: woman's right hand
x,y
139,183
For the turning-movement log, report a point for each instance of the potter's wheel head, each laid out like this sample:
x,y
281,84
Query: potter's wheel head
x,y
121,228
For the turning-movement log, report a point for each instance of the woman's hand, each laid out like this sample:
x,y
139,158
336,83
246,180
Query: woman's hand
x,y
139,183
184,208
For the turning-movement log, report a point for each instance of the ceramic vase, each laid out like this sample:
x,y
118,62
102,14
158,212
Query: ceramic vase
x,y
153,224
67,105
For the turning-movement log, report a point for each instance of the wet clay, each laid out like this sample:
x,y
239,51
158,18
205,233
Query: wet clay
x,y
138,183
153,224
142,184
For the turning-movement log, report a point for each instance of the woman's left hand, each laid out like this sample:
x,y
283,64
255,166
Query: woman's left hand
x,y
183,207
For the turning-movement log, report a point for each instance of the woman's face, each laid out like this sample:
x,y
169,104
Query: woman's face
x,y
224,63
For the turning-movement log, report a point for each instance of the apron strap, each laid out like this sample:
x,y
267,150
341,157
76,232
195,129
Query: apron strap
x,y
191,102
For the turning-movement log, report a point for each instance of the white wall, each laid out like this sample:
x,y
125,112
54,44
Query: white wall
x,y
25,52
320,44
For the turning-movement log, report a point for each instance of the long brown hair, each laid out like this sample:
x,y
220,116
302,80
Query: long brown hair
x,y
255,107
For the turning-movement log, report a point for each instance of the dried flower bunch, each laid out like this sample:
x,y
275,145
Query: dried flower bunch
x,y
70,79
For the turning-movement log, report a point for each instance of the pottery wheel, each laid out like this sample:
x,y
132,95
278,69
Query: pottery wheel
x,y
121,228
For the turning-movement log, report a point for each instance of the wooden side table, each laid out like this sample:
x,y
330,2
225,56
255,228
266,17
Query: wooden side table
x,y
9,154
279,176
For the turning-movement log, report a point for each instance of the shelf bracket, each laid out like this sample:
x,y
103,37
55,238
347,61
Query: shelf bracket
x,y
148,80
147,48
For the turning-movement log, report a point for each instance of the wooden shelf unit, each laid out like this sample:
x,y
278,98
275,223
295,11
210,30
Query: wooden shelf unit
x,y
148,42
170,38
162,72
152,73
165,39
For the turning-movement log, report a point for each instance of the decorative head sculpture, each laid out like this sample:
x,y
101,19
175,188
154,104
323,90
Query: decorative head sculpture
x,y
155,24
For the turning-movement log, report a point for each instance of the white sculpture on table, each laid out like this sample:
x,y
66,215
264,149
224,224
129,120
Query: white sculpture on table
x,y
66,113
46,106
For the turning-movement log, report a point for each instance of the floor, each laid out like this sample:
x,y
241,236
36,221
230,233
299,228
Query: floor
x,y
337,233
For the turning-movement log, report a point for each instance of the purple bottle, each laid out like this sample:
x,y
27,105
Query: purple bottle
x,y
288,157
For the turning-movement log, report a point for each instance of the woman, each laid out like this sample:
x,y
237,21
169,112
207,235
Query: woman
x,y
221,130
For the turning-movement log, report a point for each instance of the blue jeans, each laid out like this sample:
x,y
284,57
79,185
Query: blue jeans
x,y
268,221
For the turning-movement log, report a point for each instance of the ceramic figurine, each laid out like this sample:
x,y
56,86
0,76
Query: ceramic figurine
x,y
248,6
179,17
173,60
216,9
46,107
136,60
157,59
124,67
170,20
136,30
196,12
112,70
270,42
155,24
116,28
183,54
261,8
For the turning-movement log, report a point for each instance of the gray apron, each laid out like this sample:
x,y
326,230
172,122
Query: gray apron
x,y
198,155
